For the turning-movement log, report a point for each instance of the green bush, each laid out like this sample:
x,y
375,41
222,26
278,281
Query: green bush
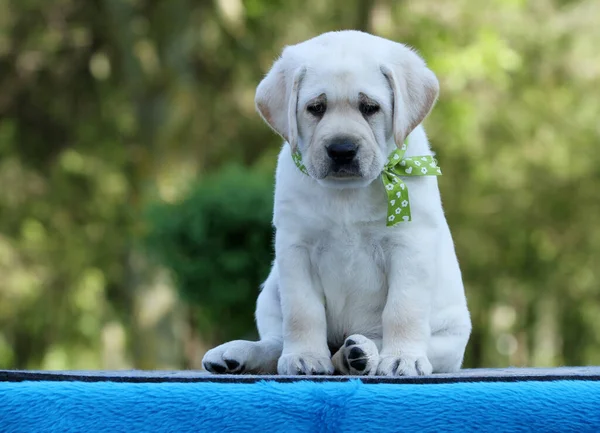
x,y
217,243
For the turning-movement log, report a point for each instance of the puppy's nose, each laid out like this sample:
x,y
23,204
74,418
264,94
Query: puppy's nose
x,y
342,152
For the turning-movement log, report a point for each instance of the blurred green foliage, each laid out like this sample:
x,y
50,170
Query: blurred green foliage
x,y
217,242
109,107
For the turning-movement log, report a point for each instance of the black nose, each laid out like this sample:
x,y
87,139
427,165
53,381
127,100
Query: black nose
x,y
342,152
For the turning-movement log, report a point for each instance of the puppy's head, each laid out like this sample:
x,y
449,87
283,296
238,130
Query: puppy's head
x,y
344,99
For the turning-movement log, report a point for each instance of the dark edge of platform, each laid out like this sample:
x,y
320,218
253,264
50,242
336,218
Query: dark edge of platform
x,y
467,375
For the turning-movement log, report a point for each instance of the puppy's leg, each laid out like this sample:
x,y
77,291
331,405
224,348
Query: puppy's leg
x,y
406,316
305,349
255,357
358,356
447,349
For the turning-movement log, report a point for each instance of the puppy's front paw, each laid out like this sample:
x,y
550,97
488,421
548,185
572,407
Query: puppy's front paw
x,y
304,363
404,365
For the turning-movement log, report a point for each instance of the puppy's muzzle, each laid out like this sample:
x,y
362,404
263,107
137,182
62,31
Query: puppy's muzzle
x,y
342,154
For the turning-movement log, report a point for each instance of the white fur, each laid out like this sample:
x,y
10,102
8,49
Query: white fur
x,y
342,279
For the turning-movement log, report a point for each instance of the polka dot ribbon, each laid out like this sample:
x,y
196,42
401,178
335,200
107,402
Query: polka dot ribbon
x,y
396,167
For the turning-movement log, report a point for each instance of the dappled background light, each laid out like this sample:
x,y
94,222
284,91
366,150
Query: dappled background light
x,y
136,178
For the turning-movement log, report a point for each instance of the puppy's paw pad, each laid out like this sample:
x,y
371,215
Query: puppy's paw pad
x,y
359,365
404,366
304,364
360,355
349,342
234,366
214,367
356,353
226,366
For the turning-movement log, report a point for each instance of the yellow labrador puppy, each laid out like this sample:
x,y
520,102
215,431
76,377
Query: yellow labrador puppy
x,y
348,291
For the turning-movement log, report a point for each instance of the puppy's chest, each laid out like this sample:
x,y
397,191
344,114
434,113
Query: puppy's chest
x,y
350,269
346,210
349,264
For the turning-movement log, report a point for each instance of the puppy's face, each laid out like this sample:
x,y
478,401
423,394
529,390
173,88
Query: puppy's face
x,y
344,100
344,116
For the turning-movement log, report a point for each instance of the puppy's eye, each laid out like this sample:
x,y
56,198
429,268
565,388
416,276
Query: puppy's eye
x,y
368,109
317,109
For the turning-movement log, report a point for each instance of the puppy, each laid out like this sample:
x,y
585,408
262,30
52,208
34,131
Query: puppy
x,y
349,291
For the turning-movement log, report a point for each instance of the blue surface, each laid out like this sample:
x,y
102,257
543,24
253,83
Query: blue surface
x,y
529,406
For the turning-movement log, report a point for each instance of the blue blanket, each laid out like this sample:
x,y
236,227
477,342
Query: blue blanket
x,y
35,404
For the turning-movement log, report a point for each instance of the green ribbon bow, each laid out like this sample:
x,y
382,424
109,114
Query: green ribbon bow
x,y
397,192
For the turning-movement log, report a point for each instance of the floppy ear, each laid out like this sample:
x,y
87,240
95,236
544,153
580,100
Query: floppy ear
x,y
277,100
415,89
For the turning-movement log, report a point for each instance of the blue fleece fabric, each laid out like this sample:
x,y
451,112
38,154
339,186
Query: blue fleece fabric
x,y
560,406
